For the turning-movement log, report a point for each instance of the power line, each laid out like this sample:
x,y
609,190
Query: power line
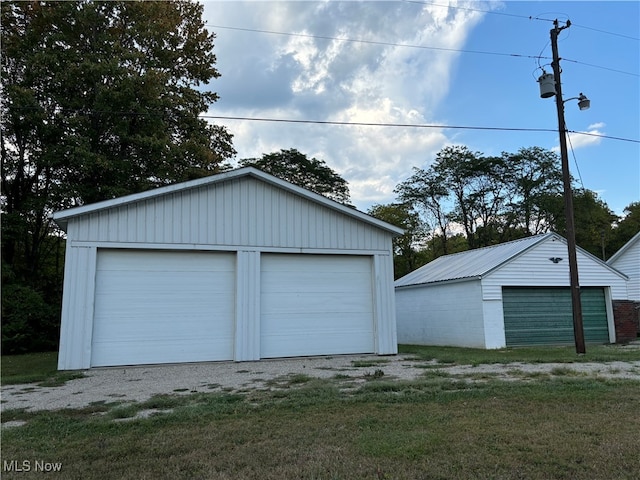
x,y
408,45
412,125
575,160
372,124
332,122
608,33
589,134
599,66
527,17
478,10
374,42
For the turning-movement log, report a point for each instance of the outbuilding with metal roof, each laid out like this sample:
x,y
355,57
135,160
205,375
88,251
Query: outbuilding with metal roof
x,y
513,294
236,266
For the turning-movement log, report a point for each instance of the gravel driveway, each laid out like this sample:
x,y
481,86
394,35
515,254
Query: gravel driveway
x,y
135,384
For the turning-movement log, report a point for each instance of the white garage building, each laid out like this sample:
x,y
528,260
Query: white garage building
x,y
627,260
513,294
237,266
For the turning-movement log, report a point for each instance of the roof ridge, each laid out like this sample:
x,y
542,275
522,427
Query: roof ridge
x,y
486,247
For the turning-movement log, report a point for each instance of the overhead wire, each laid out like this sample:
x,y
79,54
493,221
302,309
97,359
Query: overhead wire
x,y
477,10
528,17
408,45
575,160
374,42
335,122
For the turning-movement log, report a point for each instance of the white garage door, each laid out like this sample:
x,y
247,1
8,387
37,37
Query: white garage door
x,y
315,305
163,307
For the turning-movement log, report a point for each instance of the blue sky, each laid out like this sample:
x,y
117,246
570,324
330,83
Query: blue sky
x,y
300,76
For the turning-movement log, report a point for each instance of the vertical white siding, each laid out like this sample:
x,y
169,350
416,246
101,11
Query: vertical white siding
x,y
447,314
77,308
385,308
247,332
243,211
534,269
629,264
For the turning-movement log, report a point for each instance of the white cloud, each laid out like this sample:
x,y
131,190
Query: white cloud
x,y
310,78
579,140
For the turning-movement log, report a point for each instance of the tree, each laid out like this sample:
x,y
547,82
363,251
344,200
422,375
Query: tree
x,y
297,168
593,219
532,174
626,228
99,100
492,199
407,255
464,188
426,192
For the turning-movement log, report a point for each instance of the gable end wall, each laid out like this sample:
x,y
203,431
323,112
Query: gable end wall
x,y
239,212
629,264
534,269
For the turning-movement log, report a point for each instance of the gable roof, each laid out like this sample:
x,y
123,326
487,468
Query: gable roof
x,y
625,248
477,263
62,217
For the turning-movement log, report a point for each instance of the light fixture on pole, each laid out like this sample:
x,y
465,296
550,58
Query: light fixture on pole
x,y
583,102
551,85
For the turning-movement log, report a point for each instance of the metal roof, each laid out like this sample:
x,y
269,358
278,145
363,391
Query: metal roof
x,y
471,263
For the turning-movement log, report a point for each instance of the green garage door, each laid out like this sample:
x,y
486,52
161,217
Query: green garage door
x,y
543,316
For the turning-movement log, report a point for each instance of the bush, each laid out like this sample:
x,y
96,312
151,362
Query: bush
x,y
29,324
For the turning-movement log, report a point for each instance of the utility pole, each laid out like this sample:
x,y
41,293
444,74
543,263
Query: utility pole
x,y
576,303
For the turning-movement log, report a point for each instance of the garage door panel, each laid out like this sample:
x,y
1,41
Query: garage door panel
x,y
159,307
329,264
316,305
298,345
544,315
321,322
163,351
316,302
285,281
176,261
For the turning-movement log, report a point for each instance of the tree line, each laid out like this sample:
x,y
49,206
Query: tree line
x,y
467,200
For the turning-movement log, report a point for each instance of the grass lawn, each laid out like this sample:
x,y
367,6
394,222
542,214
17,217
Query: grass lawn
x,y
563,354
39,368
433,428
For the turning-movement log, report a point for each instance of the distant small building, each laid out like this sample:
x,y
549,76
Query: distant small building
x,y
236,266
512,294
627,312
627,260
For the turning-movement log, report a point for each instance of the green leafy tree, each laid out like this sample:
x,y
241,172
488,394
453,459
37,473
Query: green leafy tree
x,y
532,174
310,173
496,199
625,229
407,248
99,100
427,193
592,217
